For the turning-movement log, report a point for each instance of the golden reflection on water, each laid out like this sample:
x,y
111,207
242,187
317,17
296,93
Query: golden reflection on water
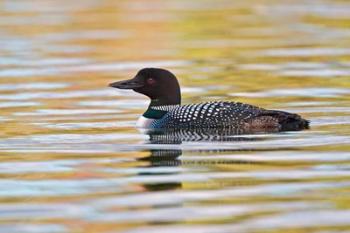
x,y
72,160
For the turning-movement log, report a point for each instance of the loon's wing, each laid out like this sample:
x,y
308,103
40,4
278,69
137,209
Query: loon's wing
x,y
244,117
210,115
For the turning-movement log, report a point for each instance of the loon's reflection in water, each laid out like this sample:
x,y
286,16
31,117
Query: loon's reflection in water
x,y
170,157
167,158
177,136
163,158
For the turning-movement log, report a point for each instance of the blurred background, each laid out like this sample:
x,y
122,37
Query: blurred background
x,y
71,159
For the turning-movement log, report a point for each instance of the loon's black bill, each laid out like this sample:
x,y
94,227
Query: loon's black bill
x,y
126,84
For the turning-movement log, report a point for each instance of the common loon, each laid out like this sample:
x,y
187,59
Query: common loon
x,y
165,110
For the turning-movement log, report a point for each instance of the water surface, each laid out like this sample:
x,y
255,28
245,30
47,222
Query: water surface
x,y
71,159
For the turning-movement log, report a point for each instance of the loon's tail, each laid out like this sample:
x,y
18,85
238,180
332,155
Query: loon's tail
x,y
288,121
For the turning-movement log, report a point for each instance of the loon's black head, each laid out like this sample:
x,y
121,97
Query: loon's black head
x,y
158,84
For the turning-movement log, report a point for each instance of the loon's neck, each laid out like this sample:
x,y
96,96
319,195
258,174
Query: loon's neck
x,y
157,108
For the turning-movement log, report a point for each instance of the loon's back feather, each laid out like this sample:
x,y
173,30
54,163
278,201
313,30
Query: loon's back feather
x,y
222,114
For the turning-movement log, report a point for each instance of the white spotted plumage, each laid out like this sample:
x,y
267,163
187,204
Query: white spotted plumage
x,y
209,114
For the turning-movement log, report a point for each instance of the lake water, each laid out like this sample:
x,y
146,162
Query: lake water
x,y
71,159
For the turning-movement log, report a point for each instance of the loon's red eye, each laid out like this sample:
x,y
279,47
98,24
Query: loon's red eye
x,y
151,81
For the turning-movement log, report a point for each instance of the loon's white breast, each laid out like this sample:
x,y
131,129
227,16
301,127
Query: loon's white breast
x,y
144,122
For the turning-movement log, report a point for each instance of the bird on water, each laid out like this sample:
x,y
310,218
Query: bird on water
x,y
166,112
